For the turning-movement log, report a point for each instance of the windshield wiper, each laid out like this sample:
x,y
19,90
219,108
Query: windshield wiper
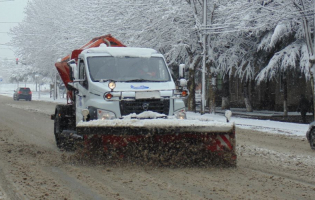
x,y
138,80
103,80
142,80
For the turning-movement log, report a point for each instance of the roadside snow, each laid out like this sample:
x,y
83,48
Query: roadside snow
x,y
255,124
269,126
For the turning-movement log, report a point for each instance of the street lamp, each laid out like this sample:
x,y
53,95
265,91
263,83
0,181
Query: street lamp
x,y
203,87
36,77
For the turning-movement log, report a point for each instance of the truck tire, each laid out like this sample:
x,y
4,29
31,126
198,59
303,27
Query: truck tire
x,y
58,126
62,122
312,139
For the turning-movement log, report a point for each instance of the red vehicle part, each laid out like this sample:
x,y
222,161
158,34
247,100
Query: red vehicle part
x,y
64,69
213,146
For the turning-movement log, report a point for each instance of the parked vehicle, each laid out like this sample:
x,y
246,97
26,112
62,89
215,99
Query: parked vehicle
x,y
310,135
22,93
125,98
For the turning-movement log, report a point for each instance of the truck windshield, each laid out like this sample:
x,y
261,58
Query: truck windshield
x,y
130,69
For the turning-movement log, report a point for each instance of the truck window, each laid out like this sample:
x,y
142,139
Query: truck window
x,y
128,68
82,74
162,72
101,68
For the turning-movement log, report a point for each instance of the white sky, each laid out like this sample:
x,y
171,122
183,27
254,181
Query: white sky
x,y
10,11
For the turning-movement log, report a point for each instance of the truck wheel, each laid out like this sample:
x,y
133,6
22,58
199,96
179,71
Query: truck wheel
x,y
61,123
312,139
58,128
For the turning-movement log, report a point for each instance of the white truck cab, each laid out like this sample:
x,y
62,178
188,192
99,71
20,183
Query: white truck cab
x,y
112,82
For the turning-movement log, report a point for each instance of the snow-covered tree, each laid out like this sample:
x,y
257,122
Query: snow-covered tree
x,y
254,32
244,34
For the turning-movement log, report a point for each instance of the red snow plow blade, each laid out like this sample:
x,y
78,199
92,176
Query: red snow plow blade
x,y
182,142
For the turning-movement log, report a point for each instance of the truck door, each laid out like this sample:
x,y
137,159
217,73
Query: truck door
x,y
82,95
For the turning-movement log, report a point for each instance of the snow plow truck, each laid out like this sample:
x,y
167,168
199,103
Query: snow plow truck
x,y
124,101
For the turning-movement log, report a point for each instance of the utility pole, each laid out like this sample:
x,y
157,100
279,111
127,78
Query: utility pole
x,y
310,47
312,81
203,86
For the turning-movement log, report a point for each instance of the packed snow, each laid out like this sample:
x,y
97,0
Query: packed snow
x,y
293,129
122,52
190,125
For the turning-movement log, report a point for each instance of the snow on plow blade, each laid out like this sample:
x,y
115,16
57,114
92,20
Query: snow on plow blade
x,y
169,142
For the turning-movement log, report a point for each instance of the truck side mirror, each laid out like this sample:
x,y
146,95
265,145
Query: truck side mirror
x,y
183,82
181,71
71,65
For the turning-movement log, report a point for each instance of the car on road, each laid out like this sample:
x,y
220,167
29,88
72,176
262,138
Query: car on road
x,y
310,135
22,93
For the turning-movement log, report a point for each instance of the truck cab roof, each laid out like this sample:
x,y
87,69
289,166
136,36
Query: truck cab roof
x,y
122,52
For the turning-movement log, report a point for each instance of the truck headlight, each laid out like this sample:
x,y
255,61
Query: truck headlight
x,y
105,115
85,113
180,114
112,85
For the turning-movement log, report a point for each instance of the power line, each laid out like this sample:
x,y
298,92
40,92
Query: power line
x,y
235,26
9,22
279,15
293,15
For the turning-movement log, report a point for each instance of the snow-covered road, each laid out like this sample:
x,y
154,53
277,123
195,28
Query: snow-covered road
x,y
269,166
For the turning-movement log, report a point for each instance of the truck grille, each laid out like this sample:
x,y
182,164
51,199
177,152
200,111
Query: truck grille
x,y
138,106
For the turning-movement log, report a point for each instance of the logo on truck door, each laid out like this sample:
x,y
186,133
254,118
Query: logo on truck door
x,y
139,87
